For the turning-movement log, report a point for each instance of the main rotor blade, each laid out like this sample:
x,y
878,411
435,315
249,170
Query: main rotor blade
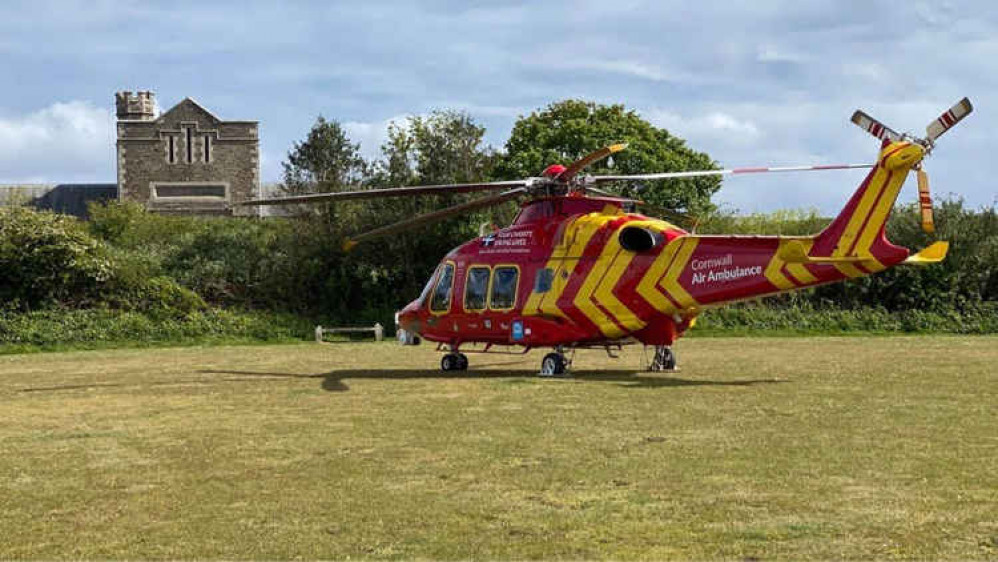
x,y
731,172
676,217
388,192
874,127
591,158
950,117
435,216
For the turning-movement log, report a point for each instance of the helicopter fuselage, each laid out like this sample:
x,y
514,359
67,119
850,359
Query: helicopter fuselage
x,y
582,270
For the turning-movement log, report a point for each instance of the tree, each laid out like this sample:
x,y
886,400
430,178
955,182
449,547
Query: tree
x,y
325,161
445,146
567,130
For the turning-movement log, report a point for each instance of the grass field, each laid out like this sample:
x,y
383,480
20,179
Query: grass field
x,y
757,449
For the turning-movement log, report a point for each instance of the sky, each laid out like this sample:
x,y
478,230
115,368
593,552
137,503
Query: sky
x,y
760,83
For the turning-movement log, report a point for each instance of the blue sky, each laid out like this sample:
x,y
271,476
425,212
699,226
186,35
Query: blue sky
x,y
752,83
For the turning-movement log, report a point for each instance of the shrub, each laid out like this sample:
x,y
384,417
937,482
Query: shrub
x,y
48,259
48,329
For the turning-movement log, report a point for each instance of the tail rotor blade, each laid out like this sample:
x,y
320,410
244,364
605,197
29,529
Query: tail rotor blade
x,y
948,119
874,127
925,202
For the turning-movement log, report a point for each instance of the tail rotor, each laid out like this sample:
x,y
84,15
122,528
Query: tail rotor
x,y
933,131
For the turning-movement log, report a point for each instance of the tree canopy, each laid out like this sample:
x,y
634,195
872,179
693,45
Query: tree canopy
x,y
325,161
567,130
442,147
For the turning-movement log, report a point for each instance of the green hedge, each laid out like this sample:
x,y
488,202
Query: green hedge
x,y
96,328
801,318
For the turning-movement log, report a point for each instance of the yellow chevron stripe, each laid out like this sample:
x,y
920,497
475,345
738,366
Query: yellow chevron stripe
x,y
865,207
773,273
849,270
798,270
563,261
535,302
671,280
600,283
873,265
648,286
879,215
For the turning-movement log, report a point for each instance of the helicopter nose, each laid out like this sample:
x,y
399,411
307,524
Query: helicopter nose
x,y
408,317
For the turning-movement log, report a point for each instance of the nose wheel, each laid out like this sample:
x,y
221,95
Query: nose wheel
x,y
454,362
665,359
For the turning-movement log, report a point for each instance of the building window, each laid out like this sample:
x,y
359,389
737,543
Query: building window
x,y
174,190
171,152
476,288
440,301
190,145
503,294
207,149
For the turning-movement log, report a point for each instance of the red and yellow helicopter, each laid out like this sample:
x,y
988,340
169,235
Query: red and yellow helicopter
x,y
578,267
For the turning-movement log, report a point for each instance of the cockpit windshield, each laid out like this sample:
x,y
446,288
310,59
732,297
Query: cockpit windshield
x,y
426,289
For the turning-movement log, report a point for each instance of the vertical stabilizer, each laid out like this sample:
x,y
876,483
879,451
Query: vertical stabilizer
x,y
858,231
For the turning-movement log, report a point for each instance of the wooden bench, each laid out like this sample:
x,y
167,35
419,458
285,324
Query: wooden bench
x,y
377,329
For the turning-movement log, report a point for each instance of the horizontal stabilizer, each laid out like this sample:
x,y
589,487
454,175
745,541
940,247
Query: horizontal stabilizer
x,y
933,254
794,252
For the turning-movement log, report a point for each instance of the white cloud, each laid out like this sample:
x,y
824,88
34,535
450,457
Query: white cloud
x,y
772,53
706,129
371,135
936,14
65,142
626,67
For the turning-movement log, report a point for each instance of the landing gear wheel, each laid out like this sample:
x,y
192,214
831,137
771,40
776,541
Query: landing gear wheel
x,y
553,365
665,359
454,362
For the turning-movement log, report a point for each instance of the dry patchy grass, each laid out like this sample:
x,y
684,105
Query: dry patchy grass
x,y
758,448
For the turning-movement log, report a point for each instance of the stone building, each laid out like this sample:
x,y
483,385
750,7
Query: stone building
x,y
186,160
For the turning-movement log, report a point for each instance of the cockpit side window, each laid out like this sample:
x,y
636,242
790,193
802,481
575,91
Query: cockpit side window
x,y
442,291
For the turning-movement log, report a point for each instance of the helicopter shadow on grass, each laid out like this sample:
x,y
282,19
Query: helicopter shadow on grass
x,y
333,381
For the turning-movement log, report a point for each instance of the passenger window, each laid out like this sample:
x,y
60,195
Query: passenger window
x,y
440,301
545,277
503,296
476,288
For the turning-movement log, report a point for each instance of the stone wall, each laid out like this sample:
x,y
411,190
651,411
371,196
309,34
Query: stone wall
x,y
188,149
